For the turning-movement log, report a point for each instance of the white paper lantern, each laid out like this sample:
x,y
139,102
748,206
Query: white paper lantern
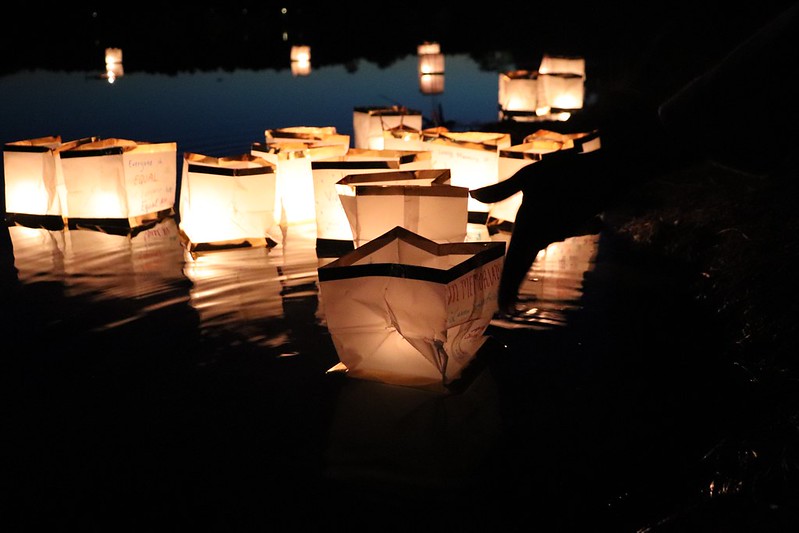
x,y
333,230
430,68
227,202
300,60
119,184
35,194
313,136
422,201
405,310
518,95
369,122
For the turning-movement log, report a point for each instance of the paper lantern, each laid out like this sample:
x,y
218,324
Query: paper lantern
x,y
560,64
422,201
113,64
403,309
227,202
300,60
560,93
313,136
370,122
333,232
430,68
518,95
34,182
118,184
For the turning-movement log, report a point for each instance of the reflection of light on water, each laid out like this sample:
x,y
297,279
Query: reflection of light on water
x,y
553,286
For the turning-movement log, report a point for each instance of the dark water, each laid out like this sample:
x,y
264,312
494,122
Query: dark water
x,y
150,388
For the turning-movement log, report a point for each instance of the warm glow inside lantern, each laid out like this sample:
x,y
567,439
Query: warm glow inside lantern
x,y
119,184
430,68
405,310
369,122
333,230
294,200
227,202
422,201
473,159
34,182
300,60
559,93
518,95
559,64
113,64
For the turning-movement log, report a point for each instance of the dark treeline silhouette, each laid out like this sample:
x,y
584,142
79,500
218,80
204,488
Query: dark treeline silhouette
x,y
170,38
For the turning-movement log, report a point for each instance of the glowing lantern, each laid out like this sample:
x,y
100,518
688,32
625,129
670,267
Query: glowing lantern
x,y
422,201
333,230
119,184
313,136
431,68
473,160
227,202
300,60
561,86
34,182
518,95
113,64
558,64
405,310
370,122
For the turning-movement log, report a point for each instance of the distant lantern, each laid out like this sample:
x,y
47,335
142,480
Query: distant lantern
x,y
561,87
118,185
431,68
227,202
113,64
313,136
518,95
34,181
300,60
405,310
369,123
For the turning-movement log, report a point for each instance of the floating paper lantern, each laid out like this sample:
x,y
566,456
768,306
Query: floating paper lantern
x,y
422,201
34,181
369,122
333,232
113,64
227,202
430,68
405,310
561,87
119,184
300,60
313,136
518,95
560,64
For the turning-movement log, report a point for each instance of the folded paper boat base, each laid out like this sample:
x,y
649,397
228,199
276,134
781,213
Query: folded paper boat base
x,y
406,310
